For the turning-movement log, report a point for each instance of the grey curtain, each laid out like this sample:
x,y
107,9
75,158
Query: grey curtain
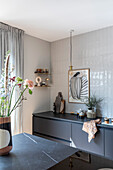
x,y
5,34
13,39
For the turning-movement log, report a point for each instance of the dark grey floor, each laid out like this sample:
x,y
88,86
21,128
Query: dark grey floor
x,y
95,164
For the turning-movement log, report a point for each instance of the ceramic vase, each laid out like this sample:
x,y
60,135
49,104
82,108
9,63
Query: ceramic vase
x,y
91,113
5,135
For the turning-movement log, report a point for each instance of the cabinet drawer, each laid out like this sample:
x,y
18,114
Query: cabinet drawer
x,y
109,143
54,139
80,140
59,129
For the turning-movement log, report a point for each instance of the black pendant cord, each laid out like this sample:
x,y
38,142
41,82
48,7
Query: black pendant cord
x,y
71,48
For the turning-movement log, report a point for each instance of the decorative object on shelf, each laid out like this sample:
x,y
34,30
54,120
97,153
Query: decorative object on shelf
x,y
8,84
91,114
42,70
81,114
111,120
106,120
54,108
71,46
38,80
91,103
59,105
78,85
43,83
73,113
42,86
43,79
62,107
46,80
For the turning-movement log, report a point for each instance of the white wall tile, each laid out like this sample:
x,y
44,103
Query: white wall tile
x,y
92,50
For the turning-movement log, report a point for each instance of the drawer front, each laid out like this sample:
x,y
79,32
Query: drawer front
x,y
53,128
54,139
80,140
109,143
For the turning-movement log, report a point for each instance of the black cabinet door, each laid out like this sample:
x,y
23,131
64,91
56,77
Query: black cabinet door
x,y
109,143
52,128
80,140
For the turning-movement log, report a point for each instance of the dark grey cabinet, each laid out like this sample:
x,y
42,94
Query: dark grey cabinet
x,y
54,139
63,129
109,143
80,140
52,128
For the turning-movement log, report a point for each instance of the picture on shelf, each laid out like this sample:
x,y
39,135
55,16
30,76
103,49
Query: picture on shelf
x,y
78,85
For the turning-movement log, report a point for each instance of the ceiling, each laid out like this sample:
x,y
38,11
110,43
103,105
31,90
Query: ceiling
x,y
53,19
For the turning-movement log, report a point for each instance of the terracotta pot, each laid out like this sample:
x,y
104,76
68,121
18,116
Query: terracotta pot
x,y
5,135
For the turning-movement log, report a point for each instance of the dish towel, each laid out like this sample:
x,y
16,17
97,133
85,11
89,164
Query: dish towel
x,y
91,128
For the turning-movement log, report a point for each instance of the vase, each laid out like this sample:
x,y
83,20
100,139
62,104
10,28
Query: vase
x,y
91,113
5,135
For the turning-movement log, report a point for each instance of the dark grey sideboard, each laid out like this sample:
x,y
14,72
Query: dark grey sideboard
x,y
67,128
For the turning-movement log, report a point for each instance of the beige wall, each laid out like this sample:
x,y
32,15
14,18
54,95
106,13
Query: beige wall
x,y
36,55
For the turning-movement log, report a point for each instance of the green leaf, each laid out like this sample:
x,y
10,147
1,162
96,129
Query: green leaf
x,y
30,91
3,98
8,52
26,86
18,79
5,106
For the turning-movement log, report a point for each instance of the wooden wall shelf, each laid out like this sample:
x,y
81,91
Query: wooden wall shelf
x,y
42,86
42,77
42,73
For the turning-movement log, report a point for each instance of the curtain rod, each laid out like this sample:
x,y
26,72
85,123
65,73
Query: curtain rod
x,y
10,26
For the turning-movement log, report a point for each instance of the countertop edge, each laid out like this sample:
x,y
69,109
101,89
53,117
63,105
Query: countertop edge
x,y
41,115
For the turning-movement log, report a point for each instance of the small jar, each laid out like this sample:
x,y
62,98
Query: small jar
x,y
106,120
81,114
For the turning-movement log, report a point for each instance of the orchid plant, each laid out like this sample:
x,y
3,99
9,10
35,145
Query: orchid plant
x,y
8,85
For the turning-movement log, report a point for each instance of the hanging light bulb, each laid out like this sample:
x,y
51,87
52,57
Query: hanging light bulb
x,y
71,48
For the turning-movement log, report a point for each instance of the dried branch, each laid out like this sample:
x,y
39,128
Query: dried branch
x,y
6,73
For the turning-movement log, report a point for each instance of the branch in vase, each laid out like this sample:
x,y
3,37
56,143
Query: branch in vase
x,y
17,102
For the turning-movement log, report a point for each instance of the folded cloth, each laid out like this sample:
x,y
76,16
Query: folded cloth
x,y
91,128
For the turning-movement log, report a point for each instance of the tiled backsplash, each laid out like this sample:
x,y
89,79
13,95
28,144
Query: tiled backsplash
x,y
92,50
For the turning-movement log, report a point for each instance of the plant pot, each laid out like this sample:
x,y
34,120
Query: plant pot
x,y
5,135
91,113
90,110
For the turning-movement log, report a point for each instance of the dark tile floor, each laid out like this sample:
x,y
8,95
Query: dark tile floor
x,y
95,163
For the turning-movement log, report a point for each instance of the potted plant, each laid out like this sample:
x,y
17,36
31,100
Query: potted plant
x,y
8,85
91,103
